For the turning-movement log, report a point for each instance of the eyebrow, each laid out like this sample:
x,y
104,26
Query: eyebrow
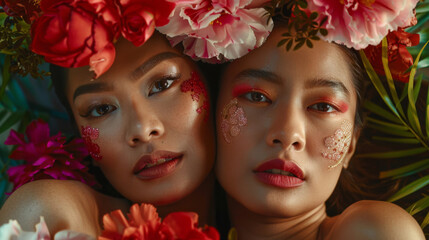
x,y
151,63
331,83
258,73
95,87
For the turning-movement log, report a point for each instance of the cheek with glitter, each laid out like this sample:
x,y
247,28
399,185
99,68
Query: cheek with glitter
x,y
233,119
89,135
338,144
196,86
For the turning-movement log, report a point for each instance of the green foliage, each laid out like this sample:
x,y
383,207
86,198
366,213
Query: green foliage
x,y
401,122
14,43
306,27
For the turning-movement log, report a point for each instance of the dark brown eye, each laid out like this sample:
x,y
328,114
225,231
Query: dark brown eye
x,y
163,84
256,97
323,107
101,110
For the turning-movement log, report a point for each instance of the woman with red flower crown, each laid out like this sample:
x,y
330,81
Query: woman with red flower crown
x,y
143,112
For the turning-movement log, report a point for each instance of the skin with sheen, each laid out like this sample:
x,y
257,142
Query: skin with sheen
x,y
146,123
143,118
274,171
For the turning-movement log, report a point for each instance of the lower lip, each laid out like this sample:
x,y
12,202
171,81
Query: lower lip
x,y
278,180
159,171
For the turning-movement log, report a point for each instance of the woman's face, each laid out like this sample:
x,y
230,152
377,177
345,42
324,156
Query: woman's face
x,y
146,121
285,125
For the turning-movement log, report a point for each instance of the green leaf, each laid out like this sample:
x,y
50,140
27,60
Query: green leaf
x,y
389,77
10,121
232,234
394,154
300,43
5,75
282,42
425,221
314,15
323,31
289,45
374,108
427,118
309,44
422,9
412,112
406,170
410,188
387,124
418,206
377,83
3,114
423,63
396,140
417,87
390,131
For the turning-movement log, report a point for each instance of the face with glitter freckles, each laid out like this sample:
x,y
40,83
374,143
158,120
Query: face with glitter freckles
x,y
145,121
293,114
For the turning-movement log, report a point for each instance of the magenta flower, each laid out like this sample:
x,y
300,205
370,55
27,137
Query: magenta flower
x,y
46,157
217,29
359,23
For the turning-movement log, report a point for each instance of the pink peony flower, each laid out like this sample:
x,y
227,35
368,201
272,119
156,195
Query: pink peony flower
x,y
144,223
359,23
217,29
46,157
13,230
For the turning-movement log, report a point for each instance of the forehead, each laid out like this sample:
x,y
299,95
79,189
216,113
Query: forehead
x,y
128,58
323,61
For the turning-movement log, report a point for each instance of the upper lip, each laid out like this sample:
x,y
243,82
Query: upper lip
x,y
284,165
153,158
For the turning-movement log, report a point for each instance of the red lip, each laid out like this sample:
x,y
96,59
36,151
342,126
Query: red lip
x,y
279,180
143,171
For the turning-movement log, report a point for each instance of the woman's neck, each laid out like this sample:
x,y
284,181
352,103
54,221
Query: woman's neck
x,y
200,201
250,225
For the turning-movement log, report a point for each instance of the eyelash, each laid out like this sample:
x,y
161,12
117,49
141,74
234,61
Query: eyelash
x,y
250,96
91,114
171,79
326,105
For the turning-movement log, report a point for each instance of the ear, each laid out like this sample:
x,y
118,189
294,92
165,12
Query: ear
x,y
352,148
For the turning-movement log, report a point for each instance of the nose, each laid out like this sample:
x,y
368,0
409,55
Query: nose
x,y
287,130
145,123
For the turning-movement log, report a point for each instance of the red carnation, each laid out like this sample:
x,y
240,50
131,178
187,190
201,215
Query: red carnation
x,y
144,223
76,33
400,60
140,17
46,156
27,9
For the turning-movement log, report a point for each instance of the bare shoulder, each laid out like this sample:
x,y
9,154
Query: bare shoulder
x,y
64,205
375,220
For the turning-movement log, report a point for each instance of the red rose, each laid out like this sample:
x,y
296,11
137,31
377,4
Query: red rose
x,y
28,10
75,33
140,17
399,57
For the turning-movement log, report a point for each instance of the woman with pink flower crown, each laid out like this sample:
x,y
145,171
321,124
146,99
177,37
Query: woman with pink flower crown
x,y
143,113
288,123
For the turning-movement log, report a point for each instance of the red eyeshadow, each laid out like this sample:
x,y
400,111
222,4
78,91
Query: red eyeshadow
x,y
342,106
245,88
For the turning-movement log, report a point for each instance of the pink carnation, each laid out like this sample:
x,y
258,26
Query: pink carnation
x,y
217,29
359,23
46,157
144,223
